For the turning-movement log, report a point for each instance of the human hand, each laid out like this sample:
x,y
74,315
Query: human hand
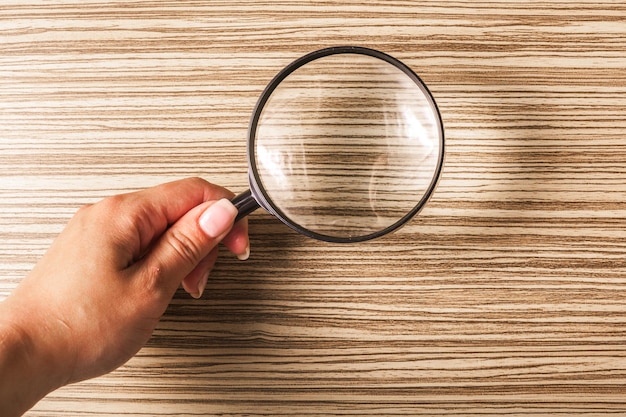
x,y
96,296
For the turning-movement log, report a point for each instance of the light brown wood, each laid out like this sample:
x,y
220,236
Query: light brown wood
x,y
506,295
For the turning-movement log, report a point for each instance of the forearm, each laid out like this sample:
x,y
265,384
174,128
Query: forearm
x,y
27,372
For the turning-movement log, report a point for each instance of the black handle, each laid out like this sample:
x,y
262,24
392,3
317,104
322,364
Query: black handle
x,y
245,203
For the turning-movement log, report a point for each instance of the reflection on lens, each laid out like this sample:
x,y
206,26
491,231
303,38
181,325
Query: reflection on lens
x,y
347,145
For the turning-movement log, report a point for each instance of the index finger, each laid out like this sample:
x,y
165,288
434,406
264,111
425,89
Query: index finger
x,y
153,210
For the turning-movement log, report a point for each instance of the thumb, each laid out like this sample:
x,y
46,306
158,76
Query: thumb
x,y
186,243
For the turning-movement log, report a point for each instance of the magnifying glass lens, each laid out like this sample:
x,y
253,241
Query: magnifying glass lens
x,y
346,145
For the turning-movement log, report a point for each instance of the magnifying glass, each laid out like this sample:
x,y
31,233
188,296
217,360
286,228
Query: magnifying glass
x,y
345,144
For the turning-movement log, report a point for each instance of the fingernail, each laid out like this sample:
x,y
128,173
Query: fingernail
x,y
218,218
245,255
201,286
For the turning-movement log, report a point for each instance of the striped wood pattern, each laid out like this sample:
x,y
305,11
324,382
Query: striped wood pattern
x,y
507,295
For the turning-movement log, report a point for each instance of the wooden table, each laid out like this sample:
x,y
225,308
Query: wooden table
x,y
506,295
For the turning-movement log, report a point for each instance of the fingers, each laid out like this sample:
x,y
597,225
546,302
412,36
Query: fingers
x,y
179,224
157,208
237,241
172,200
187,243
196,281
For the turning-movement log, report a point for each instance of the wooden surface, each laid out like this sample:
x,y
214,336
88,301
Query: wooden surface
x,y
506,296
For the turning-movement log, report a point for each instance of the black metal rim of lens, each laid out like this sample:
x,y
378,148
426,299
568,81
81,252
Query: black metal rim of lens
x,y
256,184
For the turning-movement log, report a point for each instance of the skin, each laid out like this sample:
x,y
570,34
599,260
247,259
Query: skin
x,y
98,293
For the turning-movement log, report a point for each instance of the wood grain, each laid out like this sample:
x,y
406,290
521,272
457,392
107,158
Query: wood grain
x,y
505,296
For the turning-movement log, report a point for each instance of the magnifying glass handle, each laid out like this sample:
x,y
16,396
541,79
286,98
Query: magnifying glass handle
x,y
245,203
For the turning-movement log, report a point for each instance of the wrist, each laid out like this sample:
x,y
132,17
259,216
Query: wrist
x,y
29,369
